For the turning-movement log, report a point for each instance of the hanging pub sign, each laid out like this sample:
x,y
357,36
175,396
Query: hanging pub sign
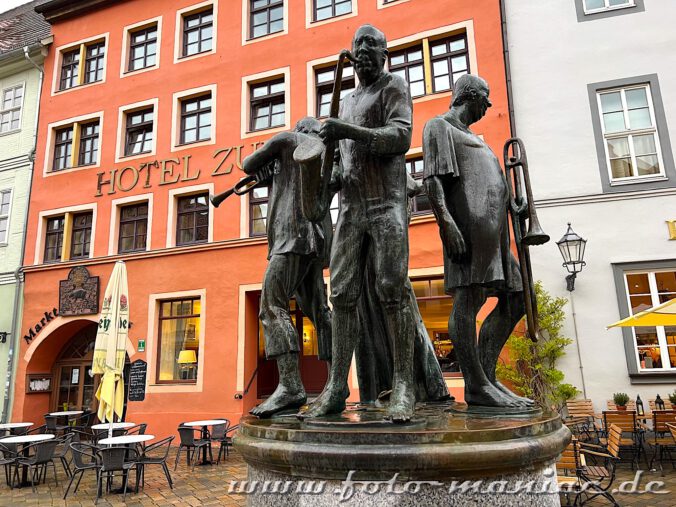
x,y
79,294
35,330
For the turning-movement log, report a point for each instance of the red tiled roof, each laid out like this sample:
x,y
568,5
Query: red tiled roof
x,y
22,26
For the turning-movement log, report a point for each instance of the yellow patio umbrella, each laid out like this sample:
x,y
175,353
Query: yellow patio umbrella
x,y
110,346
662,315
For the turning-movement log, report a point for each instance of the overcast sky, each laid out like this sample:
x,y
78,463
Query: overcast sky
x,y
6,5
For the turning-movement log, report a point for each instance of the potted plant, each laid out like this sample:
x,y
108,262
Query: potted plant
x,y
672,399
621,400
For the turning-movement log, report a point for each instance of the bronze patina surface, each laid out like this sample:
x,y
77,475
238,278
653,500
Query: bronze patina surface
x,y
436,444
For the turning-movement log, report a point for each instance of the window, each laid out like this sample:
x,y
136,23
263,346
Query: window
x,y
54,239
655,347
198,30
81,235
419,204
267,105
89,144
265,17
133,228
77,71
450,60
179,337
63,148
591,6
143,48
324,80
409,64
10,113
196,119
192,224
5,204
325,9
258,211
630,134
139,132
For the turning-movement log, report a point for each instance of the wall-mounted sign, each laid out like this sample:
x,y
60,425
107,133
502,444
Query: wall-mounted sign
x,y
168,170
672,228
141,345
38,383
79,294
33,331
137,380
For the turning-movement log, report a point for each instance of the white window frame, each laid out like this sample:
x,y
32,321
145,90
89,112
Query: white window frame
x,y
607,6
176,100
245,111
246,8
4,241
630,133
19,107
126,44
47,170
661,333
178,36
174,195
43,216
56,74
114,234
310,14
122,113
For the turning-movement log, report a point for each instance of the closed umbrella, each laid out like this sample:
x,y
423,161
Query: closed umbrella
x,y
662,315
110,347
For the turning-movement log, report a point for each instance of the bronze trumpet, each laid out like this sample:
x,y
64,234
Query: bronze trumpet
x,y
522,210
244,186
315,171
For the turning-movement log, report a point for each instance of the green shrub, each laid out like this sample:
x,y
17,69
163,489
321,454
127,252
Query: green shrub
x,y
621,399
531,369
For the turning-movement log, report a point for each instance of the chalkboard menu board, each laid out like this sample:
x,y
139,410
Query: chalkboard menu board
x,y
137,380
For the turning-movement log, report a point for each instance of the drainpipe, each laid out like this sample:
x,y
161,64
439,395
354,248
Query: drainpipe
x,y
14,342
508,71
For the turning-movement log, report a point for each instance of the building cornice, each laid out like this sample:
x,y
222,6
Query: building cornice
x,y
162,252
597,198
58,10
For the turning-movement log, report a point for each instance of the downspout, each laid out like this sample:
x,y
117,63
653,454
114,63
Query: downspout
x,y
14,342
508,71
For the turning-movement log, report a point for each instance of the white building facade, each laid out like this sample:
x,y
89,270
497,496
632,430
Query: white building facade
x,y
594,99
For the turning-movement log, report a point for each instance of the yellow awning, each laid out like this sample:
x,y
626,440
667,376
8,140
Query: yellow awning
x,y
662,315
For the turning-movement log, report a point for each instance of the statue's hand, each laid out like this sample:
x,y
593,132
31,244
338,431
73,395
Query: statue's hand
x,y
334,129
453,241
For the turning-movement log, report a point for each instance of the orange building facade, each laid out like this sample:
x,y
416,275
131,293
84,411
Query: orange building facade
x,y
150,106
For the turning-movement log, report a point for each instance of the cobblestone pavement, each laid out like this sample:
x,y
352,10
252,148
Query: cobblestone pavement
x,y
208,485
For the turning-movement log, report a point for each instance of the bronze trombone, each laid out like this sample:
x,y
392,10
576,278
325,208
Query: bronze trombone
x,y
315,171
525,235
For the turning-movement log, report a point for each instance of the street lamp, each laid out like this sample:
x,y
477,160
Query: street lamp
x,y
572,248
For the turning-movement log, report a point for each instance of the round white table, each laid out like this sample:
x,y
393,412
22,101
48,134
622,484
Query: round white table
x,y
203,424
27,439
116,426
67,413
15,425
125,439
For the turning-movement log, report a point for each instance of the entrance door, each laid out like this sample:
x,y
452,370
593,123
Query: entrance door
x,y
76,384
313,372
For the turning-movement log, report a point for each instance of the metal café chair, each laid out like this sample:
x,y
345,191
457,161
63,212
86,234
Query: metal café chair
x,y
80,451
597,480
155,454
53,426
62,454
191,444
8,460
219,433
42,457
662,441
113,460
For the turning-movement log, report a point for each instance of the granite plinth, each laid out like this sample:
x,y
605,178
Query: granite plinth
x,y
438,446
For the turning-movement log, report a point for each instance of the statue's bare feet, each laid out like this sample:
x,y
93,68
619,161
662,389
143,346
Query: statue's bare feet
x,y
402,403
488,395
525,401
331,401
282,399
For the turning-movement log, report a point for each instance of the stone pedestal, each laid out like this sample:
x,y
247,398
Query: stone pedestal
x,y
440,458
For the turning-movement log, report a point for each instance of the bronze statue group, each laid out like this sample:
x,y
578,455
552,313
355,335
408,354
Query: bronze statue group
x,y
374,311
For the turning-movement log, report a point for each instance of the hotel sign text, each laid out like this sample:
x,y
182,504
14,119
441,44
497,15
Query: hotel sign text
x,y
170,170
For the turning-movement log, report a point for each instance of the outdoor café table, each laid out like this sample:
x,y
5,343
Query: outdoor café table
x,y
67,414
116,426
125,440
14,426
204,424
26,440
